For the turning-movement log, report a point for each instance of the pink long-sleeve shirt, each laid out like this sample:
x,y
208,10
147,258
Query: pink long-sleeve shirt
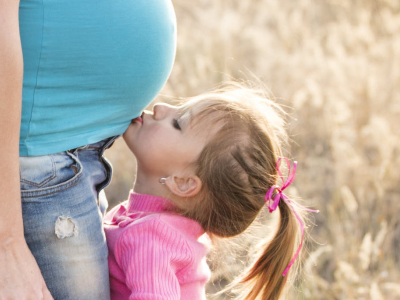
x,y
153,253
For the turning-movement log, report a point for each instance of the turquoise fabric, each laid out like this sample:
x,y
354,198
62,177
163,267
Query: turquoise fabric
x,y
90,66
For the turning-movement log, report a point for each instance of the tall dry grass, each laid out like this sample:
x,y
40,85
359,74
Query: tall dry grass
x,y
336,65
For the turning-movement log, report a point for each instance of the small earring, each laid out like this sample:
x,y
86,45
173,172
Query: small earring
x,y
162,180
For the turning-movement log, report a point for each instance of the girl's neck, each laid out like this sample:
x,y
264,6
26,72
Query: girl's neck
x,y
150,185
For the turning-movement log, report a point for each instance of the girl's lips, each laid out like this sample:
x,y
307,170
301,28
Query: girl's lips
x,y
138,119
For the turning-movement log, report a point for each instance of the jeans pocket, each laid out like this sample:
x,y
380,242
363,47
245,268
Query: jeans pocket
x,y
48,174
36,171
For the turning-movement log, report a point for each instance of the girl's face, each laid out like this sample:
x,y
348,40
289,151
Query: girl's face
x,y
164,141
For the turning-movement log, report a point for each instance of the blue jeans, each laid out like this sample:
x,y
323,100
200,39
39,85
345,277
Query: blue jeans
x,y
63,220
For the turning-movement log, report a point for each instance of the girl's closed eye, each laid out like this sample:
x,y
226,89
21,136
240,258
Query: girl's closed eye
x,y
176,124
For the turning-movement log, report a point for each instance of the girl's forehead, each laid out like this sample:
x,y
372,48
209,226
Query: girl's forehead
x,y
201,120
194,113
196,109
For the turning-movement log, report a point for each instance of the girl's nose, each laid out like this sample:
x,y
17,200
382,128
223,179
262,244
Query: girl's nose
x,y
161,110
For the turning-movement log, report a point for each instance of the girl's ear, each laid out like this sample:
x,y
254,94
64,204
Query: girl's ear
x,y
184,186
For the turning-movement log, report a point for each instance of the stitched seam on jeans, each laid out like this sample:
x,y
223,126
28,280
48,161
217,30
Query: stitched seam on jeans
x,y
42,183
58,188
50,191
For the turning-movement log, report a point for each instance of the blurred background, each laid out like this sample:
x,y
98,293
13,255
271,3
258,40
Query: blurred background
x,y
335,65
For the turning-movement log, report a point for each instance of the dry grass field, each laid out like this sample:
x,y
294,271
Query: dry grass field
x,y
335,65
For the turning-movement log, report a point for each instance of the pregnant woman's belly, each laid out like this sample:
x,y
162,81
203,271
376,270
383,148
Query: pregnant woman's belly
x,y
90,67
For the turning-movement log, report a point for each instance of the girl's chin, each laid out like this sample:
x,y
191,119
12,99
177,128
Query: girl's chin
x,y
127,131
131,126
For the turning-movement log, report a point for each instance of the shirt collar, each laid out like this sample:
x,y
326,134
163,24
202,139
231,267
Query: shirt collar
x,y
148,203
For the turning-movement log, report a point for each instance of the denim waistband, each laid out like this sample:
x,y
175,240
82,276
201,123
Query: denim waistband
x,y
99,146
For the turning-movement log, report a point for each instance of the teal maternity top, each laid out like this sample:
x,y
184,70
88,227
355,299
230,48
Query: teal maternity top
x,y
90,66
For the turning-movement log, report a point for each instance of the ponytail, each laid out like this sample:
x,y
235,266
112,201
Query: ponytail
x,y
265,277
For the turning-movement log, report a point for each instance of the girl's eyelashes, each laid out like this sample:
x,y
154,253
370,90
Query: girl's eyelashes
x,y
176,125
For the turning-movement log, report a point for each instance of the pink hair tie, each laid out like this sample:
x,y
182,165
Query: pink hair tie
x,y
280,195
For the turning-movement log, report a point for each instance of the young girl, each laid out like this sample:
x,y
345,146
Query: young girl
x,y
208,166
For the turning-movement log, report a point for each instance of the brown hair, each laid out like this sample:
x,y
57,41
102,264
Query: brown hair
x,y
237,167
